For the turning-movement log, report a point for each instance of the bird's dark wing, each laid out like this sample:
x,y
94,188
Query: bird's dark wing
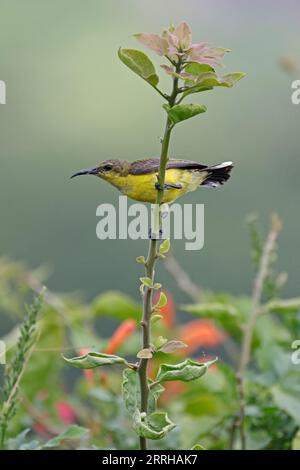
x,y
143,167
151,165
185,165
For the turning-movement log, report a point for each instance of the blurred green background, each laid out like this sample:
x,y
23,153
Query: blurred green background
x,y
71,103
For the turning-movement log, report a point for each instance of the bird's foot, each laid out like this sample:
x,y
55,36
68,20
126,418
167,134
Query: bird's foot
x,y
159,187
155,236
166,186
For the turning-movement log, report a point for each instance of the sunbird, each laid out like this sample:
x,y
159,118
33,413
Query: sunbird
x,y
138,180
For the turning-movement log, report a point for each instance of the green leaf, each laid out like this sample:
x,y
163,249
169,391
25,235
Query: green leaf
x,y
211,310
210,80
146,281
155,318
160,341
196,69
72,436
157,285
231,79
287,401
171,346
258,439
272,358
282,306
131,392
14,443
145,353
141,259
164,247
154,394
153,426
185,371
198,447
162,301
227,311
139,63
181,112
94,359
117,305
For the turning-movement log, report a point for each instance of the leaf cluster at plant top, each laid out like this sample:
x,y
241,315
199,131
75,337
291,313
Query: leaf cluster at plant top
x,y
193,65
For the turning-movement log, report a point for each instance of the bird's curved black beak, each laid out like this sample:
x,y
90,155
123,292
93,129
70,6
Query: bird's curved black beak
x,y
86,171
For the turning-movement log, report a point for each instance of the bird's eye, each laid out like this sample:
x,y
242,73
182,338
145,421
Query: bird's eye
x,y
107,167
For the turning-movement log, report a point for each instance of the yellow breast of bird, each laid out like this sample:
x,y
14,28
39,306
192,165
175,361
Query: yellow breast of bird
x,y
142,187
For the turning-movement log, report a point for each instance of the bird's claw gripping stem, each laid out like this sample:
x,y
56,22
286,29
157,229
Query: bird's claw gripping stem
x,y
155,236
159,187
166,186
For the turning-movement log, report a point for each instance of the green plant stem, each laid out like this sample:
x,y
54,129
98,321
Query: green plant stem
x,y
151,260
160,92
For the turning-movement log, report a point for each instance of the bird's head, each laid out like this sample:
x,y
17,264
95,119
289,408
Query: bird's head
x,y
106,170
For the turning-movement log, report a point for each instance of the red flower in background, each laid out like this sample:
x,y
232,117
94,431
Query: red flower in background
x,y
40,428
196,333
43,420
66,412
126,328
200,333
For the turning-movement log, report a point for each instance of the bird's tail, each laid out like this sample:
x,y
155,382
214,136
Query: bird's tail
x,y
218,174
